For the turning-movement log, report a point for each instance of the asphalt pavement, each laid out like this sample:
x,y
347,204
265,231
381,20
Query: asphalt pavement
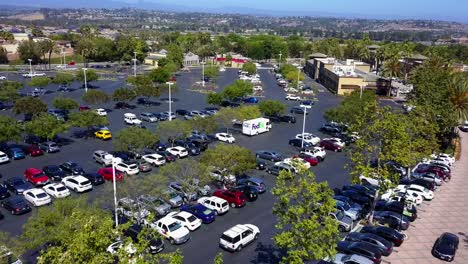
x,y
203,245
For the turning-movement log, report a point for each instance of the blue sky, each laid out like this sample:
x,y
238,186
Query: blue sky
x,y
428,9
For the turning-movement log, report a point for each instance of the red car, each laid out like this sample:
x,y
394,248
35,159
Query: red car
x,y
106,173
330,145
34,151
234,198
36,176
83,108
312,160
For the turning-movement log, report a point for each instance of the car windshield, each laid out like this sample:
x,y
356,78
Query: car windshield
x,y
174,226
61,189
226,238
345,206
192,218
38,175
53,145
85,183
207,212
339,214
54,169
17,181
41,195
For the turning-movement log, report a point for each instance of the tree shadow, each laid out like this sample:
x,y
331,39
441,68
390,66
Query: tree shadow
x,y
267,254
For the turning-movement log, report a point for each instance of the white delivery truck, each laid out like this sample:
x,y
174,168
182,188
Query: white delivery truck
x,y
256,126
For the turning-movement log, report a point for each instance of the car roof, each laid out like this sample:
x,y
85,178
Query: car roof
x,y
167,220
235,230
35,190
183,214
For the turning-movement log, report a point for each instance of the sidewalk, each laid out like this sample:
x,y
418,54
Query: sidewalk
x,y
447,212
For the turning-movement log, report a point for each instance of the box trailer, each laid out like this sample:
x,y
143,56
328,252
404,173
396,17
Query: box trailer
x,y
256,126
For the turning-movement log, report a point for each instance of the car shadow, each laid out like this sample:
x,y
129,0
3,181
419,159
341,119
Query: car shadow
x,y
267,254
465,239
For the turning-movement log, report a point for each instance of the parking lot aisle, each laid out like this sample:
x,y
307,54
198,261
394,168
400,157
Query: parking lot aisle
x,y
447,212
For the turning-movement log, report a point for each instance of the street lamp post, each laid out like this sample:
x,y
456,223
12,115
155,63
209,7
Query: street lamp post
x,y
85,83
170,101
134,64
360,95
203,74
279,63
303,125
298,73
114,161
64,58
30,68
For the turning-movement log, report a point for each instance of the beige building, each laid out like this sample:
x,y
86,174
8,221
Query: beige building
x,y
153,57
343,77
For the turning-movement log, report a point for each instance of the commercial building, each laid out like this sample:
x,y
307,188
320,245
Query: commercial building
x,y
191,59
343,77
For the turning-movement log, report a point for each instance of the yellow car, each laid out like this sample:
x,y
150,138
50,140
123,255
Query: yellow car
x,y
103,134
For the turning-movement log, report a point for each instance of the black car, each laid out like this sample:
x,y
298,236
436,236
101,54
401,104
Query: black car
x,y
89,86
361,189
328,128
94,177
212,108
155,245
357,197
33,140
260,165
120,154
360,248
250,191
17,185
160,146
384,245
409,211
392,219
388,233
124,105
73,168
147,102
182,112
191,148
4,192
297,110
295,142
282,118
426,184
202,145
167,155
446,247
161,116
16,205
54,172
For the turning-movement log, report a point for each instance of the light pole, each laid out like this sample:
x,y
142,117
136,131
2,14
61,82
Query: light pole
x,y
134,64
30,68
203,74
61,55
298,73
170,101
114,161
360,95
85,83
303,124
279,63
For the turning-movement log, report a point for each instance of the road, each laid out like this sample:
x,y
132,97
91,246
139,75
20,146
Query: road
x,y
203,245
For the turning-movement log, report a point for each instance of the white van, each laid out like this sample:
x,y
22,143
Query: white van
x,y
238,236
131,119
256,126
218,205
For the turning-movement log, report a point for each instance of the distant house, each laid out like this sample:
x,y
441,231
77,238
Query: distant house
x,y
153,57
237,60
191,59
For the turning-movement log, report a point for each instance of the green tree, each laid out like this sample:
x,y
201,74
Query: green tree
x,y
218,259
9,91
8,36
214,98
306,229
160,75
235,159
225,117
144,86
124,94
458,90
29,106
63,78
174,129
211,71
134,138
41,81
238,89
175,54
392,68
247,112
95,97
37,32
45,125
272,107
249,67
3,56
10,130
47,47
86,48
29,49
206,125
87,119
65,103
91,75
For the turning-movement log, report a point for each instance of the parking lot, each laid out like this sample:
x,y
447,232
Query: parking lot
x,y
203,245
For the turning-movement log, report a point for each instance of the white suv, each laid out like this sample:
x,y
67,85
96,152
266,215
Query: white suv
x,y
171,229
178,151
309,138
239,236
316,152
128,168
77,183
154,159
218,205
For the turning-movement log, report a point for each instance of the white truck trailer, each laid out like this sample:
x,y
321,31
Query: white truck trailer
x,y
256,126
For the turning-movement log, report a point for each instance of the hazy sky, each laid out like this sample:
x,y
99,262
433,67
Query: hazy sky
x,y
446,9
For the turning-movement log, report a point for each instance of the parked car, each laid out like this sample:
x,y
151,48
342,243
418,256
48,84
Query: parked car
x,y
37,197
173,198
49,147
345,223
258,183
217,204
72,168
297,110
413,188
36,177
128,168
445,247
123,105
155,245
249,191
154,159
200,211
313,161
103,134
330,145
357,197
234,198
4,158
317,152
298,143
278,167
15,153
94,177
250,100
293,97
225,137
282,118
4,192
341,258
179,152
360,248
148,117
269,155
186,219
34,151
132,209
56,190
392,219
103,157
16,185
155,205
78,183
107,174
388,233
409,211
421,182
33,140
54,172
16,205
348,210
147,102
384,245
168,156
239,236
192,149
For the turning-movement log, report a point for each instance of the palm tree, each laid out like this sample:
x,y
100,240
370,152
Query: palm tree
x,y
392,68
86,48
47,47
458,90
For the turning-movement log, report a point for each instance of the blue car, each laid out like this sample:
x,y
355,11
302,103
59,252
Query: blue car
x,y
16,153
206,215
252,100
258,183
